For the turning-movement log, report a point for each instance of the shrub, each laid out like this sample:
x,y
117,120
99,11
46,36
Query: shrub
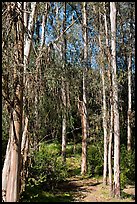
x,y
47,169
127,166
95,159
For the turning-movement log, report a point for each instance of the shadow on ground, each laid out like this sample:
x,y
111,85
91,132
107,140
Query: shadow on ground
x,y
36,194
63,193
125,195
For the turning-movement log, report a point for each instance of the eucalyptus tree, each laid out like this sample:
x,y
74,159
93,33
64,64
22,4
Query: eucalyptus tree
x,y
11,182
84,100
110,112
104,102
115,99
130,50
12,166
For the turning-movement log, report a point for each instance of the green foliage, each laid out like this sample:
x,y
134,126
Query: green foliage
x,y
95,159
36,194
70,149
127,166
47,169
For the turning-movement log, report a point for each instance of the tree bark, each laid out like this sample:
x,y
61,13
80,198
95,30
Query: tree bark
x,y
104,108
84,102
28,36
129,106
64,94
110,150
110,113
115,98
29,25
24,154
5,170
13,183
64,122
12,164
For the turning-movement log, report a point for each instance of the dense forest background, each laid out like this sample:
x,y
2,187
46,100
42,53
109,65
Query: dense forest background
x,y
68,95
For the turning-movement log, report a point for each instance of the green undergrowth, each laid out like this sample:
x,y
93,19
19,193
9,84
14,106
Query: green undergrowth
x,y
36,194
47,172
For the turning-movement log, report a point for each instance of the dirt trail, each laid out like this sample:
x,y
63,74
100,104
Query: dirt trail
x,y
92,190
85,190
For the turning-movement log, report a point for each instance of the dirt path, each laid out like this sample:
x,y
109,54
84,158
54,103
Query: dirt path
x,y
92,190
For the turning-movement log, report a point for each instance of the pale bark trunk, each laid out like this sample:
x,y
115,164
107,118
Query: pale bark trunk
x,y
84,103
12,167
29,24
129,106
12,191
36,92
104,108
111,106
64,122
28,37
64,137
105,132
110,150
115,98
24,154
5,171
64,94
44,18
13,183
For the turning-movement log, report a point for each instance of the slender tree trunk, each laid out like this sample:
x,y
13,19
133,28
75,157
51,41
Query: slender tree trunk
x,y
28,36
64,122
105,132
115,98
84,103
110,150
64,94
111,106
129,106
104,108
28,24
24,154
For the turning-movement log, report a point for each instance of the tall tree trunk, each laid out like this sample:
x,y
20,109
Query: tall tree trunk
x,y
105,131
28,24
84,103
129,105
64,96
110,113
104,107
115,98
129,85
12,164
13,183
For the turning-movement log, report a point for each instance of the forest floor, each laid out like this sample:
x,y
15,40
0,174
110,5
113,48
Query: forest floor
x,y
92,190
79,189
75,188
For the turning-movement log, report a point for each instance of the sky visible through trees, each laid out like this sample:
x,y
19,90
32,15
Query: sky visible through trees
x,y
68,97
